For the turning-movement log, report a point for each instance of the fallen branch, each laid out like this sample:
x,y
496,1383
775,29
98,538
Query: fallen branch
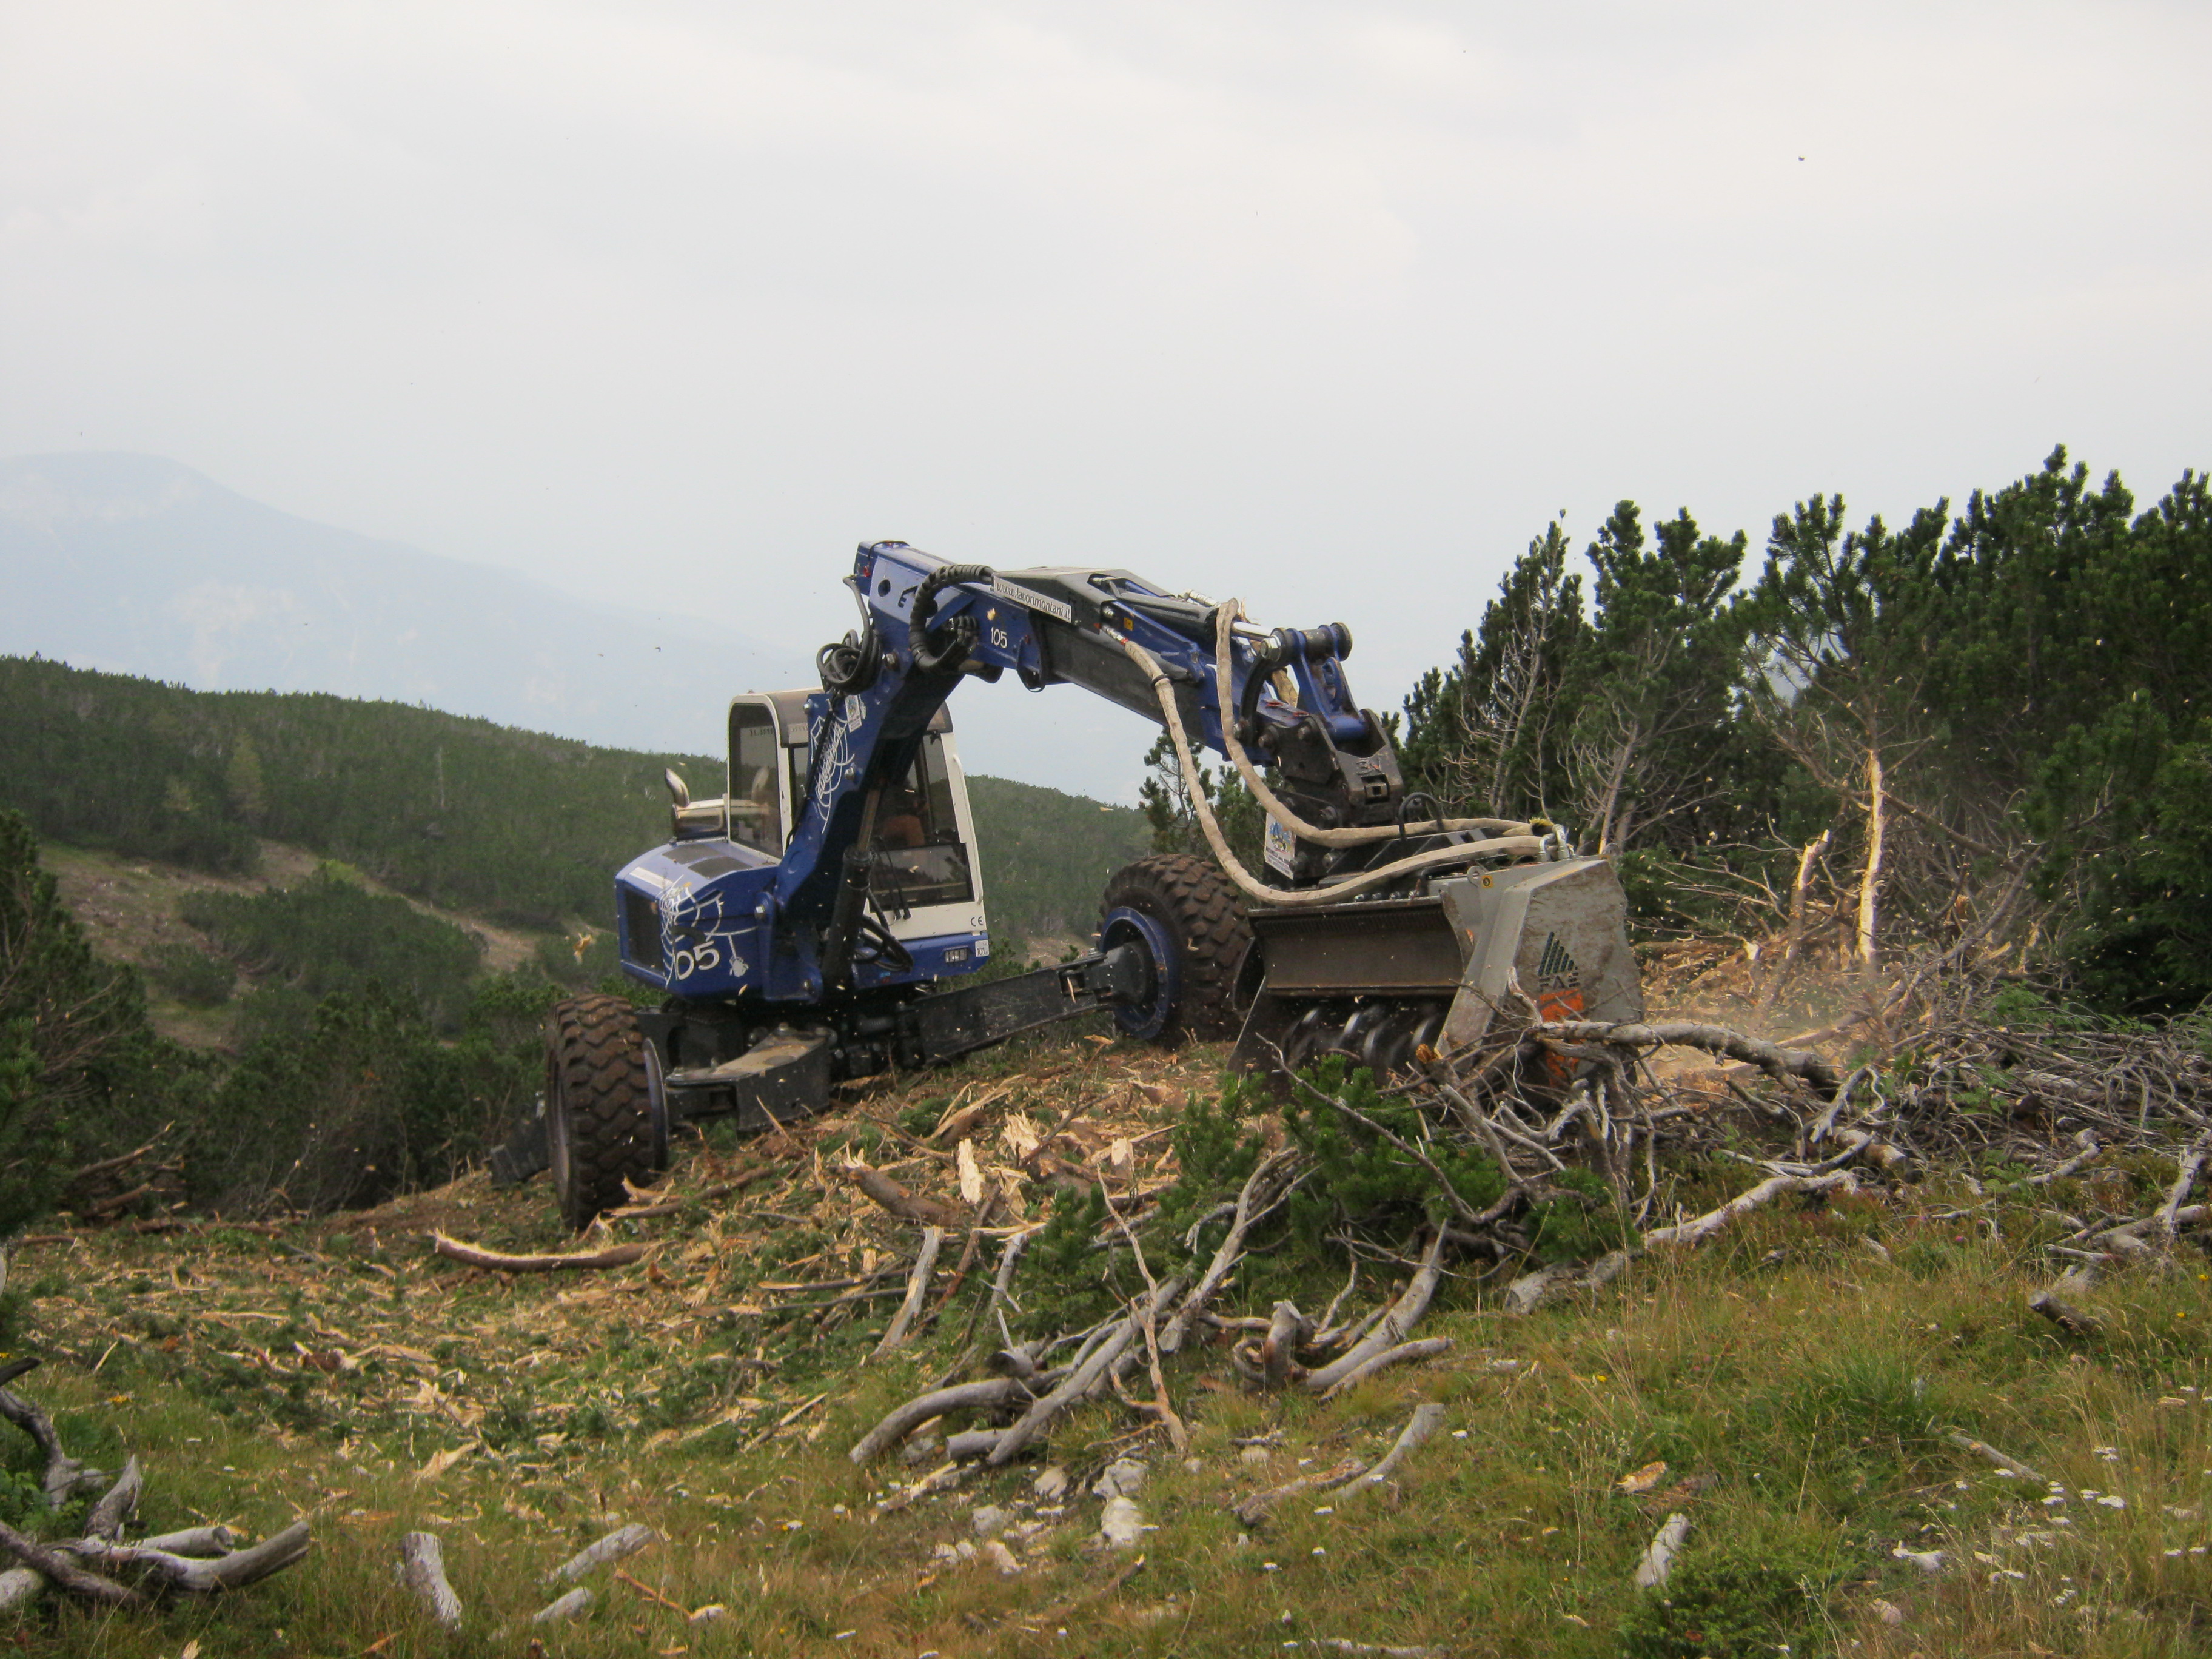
x,y
117,1505
204,1577
1776,1061
2011,1466
1161,1408
472,1255
1427,1419
52,1565
2192,1161
1079,1381
1693,1232
65,1475
423,1569
2064,1315
1392,1328
917,1285
1253,1509
965,1397
1251,1208
193,1540
1427,1348
890,1195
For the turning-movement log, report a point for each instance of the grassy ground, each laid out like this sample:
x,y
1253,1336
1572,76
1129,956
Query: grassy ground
x,y
1797,1382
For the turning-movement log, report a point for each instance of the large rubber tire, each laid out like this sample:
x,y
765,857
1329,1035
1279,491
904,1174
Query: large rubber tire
x,y
1193,913
600,1122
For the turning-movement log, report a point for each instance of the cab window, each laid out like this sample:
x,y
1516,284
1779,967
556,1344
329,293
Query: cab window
x,y
917,857
756,780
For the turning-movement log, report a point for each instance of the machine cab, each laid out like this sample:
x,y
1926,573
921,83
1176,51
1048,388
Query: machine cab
x,y
924,878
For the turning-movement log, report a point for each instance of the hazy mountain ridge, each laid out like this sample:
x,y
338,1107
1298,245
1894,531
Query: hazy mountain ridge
x,y
138,565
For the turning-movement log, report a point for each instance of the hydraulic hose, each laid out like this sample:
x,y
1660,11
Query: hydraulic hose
x,y
1353,837
1252,887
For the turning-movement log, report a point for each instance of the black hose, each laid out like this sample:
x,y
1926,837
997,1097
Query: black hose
x,y
959,635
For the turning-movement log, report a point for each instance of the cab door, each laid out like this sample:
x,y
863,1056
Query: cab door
x,y
757,794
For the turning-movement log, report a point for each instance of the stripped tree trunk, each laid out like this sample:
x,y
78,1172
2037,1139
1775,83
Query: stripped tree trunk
x,y
1795,941
1871,881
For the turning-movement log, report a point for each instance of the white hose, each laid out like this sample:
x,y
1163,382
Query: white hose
x,y
1164,691
1356,837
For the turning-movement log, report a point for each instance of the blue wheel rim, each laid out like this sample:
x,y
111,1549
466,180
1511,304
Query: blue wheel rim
x,y
1149,1018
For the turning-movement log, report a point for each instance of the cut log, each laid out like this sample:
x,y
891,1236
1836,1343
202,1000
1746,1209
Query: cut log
x,y
577,1601
423,1569
622,1541
472,1255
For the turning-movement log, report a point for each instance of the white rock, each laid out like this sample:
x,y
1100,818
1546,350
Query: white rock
x,y
1002,1558
1194,1465
1253,1455
1124,1478
989,1520
1888,1612
1122,1523
1926,1561
1050,1483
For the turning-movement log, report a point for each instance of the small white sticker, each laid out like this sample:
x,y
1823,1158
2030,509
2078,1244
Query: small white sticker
x,y
1031,598
1282,847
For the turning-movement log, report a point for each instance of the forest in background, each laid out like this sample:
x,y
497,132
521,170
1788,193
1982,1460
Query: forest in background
x,y
525,828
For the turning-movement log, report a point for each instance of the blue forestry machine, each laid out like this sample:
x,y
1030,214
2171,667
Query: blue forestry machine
x,y
820,919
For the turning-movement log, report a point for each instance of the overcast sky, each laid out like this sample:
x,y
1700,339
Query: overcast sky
x,y
1328,306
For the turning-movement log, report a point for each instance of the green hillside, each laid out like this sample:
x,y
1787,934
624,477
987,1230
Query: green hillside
x,y
522,827
1046,854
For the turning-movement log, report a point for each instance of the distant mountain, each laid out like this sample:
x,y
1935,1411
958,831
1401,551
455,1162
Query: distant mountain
x,y
138,565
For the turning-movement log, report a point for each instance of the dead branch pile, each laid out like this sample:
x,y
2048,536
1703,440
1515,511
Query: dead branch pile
x,y
2052,1103
196,1561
